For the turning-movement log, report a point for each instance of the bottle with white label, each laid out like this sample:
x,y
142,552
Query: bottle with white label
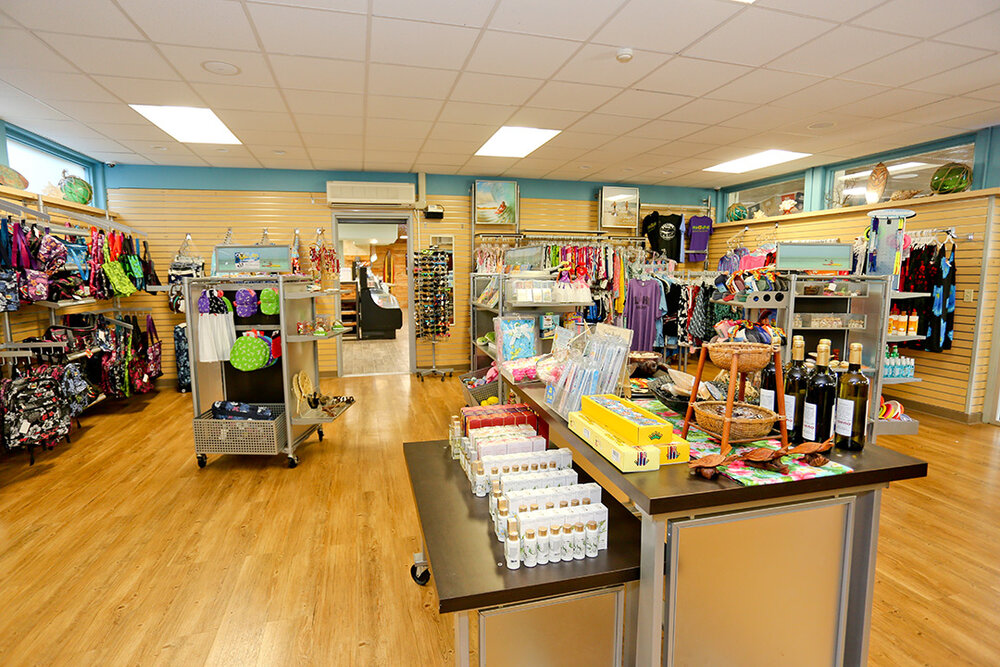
x,y
494,499
567,543
579,542
543,545
768,385
590,539
529,548
512,551
479,480
796,378
817,413
851,423
501,523
555,543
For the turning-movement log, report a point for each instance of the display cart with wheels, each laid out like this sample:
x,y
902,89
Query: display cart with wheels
x,y
271,386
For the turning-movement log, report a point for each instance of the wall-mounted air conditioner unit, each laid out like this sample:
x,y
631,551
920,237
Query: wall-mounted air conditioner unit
x,y
362,193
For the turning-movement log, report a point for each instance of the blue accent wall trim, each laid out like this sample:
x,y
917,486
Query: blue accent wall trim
x,y
986,170
293,180
3,144
94,168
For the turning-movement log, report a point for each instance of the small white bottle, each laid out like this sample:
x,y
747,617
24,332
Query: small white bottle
x,y
501,522
494,475
911,369
479,480
579,548
529,548
494,499
567,542
543,545
555,543
590,539
512,551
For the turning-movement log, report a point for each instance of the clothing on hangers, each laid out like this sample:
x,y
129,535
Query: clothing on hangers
x,y
698,232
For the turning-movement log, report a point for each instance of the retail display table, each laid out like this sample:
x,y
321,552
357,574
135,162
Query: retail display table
x,y
739,558
467,561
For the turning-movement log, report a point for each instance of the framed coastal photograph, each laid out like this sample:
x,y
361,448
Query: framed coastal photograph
x,y
619,210
496,203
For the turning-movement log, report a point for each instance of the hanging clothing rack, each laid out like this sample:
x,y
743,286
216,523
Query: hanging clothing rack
x,y
17,209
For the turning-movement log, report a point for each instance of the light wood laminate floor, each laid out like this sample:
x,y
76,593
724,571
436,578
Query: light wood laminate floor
x,y
370,357
118,550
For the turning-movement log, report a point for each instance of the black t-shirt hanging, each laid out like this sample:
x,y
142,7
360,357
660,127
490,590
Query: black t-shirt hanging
x,y
664,234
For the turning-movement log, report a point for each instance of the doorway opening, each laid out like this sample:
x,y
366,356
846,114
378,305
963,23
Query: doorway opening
x,y
375,293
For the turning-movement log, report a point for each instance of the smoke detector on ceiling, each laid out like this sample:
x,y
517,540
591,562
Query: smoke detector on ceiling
x,y
220,67
624,55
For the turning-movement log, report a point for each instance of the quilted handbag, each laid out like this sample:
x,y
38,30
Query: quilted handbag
x,y
181,358
154,350
34,284
100,286
52,252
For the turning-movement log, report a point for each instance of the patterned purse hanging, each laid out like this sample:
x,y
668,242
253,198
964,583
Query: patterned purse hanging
x,y
34,283
154,350
10,297
114,270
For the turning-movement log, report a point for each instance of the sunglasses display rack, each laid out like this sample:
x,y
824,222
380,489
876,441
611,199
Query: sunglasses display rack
x,y
271,385
433,297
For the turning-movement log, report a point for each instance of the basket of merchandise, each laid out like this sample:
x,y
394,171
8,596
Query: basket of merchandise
x,y
245,429
748,422
480,385
752,356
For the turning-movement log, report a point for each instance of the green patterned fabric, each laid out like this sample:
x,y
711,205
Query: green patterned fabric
x,y
249,353
270,303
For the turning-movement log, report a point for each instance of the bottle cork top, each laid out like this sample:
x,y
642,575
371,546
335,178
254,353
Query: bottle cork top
x,y
585,501
503,504
512,535
534,466
522,508
480,469
533,506
578,527
555,528
506,468
563,503
494,471
591,525
574,503
567,528
496,487
529,534
549,505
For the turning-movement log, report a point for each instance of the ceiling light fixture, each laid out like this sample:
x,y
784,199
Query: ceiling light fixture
x,y
188,125
820,125
624,55
511,141
760,160
279,152
585,167
902,166
220,67
159,148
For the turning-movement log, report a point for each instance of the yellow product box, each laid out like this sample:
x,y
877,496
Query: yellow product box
x,y
625,457
634,425
678,451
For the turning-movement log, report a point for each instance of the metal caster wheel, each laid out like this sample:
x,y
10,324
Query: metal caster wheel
x,y
202,460
319,432
293,461
442,377
420,575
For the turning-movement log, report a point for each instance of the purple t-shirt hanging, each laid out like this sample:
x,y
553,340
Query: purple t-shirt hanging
x,y
699,229
642,312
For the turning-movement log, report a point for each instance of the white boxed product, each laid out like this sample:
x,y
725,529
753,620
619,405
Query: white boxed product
x,y
519,446
516,481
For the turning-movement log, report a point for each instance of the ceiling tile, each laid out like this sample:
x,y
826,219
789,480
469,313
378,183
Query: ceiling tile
x,y
225,161
52,128
315,101
19,48
214,23
708,111
159,149
572,96
209,151
939,112
127,157
56,85
916,62
96,18
409,43
553,18
341,76
471,112
981,33
328,124
450,159
554,119
140,131
827,95
519,55
964,79
558,153
763,118
116,57
471,13
596,63
256,120
717,134
757,36
258,98
488,166
399,165
477,134
98,112
975,121
270,138
474,87
279,162
327,154
409,81
889,102
400,160
380,142
452,146
643,104
398,128
150,91
923,18
188,61
690,76
762,86
841,10
354,6
308,32
839,50
664,25
664,130
577,139
413,108
600,123
834,122
338,141
990,93
431,168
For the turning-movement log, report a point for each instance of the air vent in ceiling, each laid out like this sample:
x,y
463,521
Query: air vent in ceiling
x,y
344,193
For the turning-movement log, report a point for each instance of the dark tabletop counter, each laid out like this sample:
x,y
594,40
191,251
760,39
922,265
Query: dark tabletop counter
x,y
467,561
674,488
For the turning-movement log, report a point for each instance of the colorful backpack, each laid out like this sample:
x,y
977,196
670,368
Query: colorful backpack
x,y
52,252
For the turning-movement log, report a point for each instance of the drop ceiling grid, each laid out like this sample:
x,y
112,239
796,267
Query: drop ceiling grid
x,y
728,77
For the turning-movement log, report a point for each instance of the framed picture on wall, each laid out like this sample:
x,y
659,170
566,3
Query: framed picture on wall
x,y
496,203
619,209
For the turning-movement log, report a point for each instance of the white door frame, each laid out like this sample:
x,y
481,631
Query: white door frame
x,y
375,215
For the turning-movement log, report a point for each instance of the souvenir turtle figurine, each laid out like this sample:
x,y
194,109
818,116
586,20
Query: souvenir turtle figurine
x,y
810,452
708,466
766,459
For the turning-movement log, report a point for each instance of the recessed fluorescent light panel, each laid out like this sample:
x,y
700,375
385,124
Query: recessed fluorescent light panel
x,y
757,161
188,125
515,141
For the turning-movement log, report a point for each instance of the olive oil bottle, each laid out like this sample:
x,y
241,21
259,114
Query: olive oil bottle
x,y
821,394
796,378
851,421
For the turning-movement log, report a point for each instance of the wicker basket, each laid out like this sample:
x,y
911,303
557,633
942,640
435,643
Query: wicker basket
x,y
753,356
740,428
476,395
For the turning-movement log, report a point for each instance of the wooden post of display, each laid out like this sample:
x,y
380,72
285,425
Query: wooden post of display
x,y
694,390
780,398
743,387
733,371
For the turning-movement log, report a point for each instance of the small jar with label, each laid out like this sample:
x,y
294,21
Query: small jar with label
x,y
529,548
555,543
567,542
543,545
590,539
579,548
512,551
479,480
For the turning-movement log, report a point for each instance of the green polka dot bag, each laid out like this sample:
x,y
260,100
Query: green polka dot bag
x,y
249,353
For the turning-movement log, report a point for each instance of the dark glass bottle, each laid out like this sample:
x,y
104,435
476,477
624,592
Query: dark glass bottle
x,y
851,419
821,394
768,386
796,380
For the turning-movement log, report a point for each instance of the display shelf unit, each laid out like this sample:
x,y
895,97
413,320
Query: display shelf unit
x,y
306,421
332,335
897,427
900,380
481,317
313,294
895,338
910,295
66,303
555,305
272,385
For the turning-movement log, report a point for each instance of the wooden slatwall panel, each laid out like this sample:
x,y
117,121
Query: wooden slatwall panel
x,y
948,378
167,215
987,301
452,351
557,215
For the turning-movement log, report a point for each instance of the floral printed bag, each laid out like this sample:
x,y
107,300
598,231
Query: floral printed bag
x,y
34,283
154,350
10,297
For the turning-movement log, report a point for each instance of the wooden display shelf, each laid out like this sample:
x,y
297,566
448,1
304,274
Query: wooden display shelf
x,y
308,338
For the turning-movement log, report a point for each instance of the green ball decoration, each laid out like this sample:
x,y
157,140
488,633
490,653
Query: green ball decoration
x,y
76,189
952,177
736,212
